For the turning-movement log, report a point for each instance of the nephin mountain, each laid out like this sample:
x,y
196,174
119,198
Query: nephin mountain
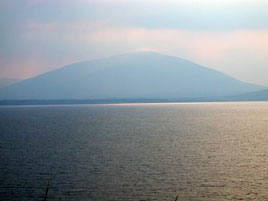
x,y
133,75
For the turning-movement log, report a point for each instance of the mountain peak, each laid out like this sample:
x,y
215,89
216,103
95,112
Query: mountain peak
x,y
136,54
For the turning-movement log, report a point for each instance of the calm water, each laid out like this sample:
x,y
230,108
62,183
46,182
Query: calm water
x,y
203,151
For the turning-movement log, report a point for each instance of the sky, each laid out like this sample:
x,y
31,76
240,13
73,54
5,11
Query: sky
x,y
230,36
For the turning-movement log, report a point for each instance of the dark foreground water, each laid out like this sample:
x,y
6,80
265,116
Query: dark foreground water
x,y
142,152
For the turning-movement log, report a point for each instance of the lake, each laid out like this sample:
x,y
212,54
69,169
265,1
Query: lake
x,y
135,152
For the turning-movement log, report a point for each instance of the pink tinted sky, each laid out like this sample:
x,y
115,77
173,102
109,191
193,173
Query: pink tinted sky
x,y
41,39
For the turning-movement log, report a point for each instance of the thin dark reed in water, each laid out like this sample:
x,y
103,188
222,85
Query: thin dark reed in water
x,y
47,188
176,198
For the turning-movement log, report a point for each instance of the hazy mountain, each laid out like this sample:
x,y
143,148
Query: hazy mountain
x,y
4,82
252,96
134,75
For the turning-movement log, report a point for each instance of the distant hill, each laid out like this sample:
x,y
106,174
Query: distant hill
x,y
252,96
130,76
4,82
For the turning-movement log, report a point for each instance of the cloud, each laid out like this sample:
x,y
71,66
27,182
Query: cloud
x,y
158,14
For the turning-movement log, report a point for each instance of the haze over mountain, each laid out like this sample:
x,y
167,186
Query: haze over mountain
x,y
4,82
133,75
261,95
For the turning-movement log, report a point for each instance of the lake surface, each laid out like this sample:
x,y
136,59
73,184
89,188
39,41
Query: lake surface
x,y
137,152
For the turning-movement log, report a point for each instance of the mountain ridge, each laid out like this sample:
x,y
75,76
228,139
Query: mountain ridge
x,y
261,95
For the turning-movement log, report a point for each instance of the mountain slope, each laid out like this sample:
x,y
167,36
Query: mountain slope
x,y
134,75
252,96
4,82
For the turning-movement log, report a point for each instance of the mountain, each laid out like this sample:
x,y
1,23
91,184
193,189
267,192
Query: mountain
x,y
4,82
133,75
252,96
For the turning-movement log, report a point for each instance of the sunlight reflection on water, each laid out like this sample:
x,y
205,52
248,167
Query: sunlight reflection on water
x,y
201,151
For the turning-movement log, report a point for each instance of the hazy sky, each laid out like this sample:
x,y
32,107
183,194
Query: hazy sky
x,y
41,35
